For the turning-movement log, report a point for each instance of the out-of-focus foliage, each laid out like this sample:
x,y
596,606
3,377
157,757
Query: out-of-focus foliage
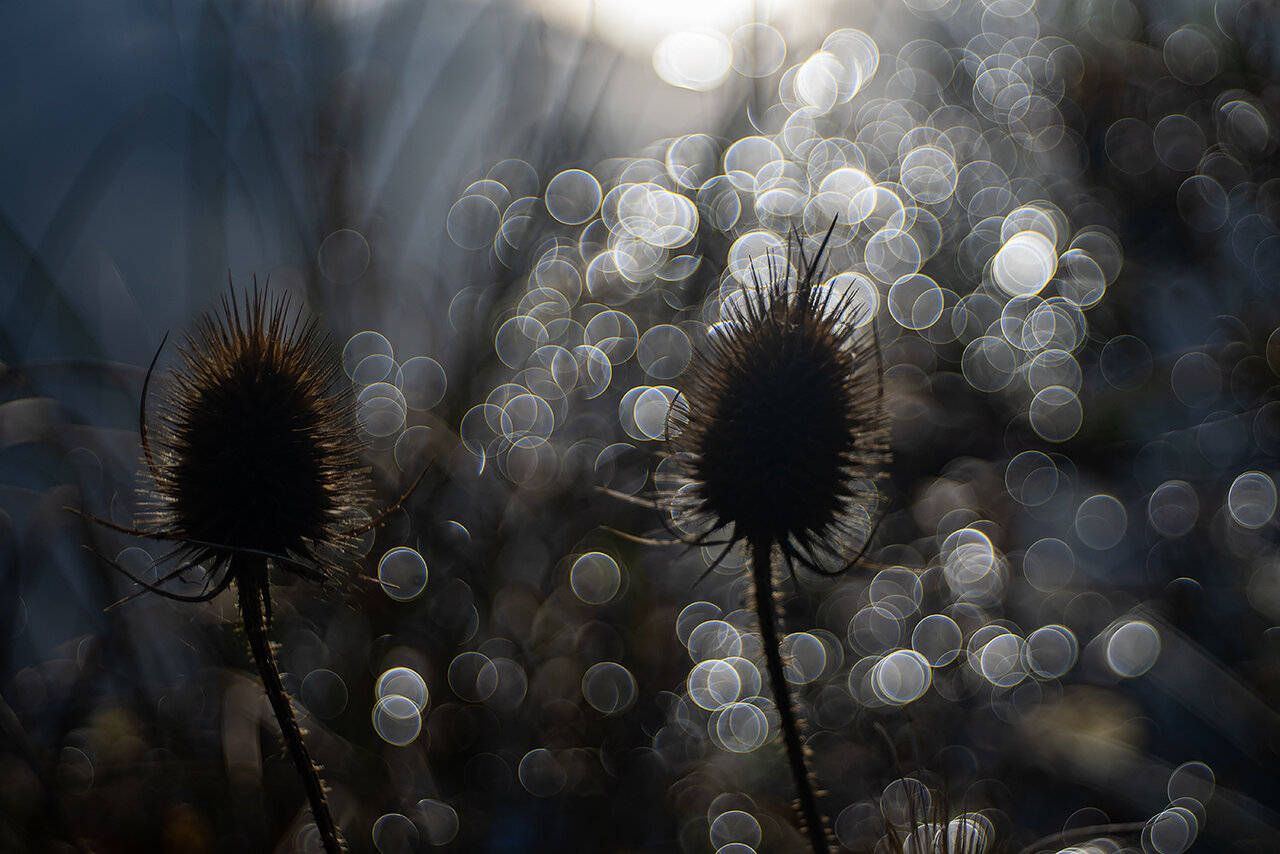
x,y
1062,221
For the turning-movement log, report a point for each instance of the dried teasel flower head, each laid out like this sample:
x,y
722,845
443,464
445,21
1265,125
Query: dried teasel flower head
x,y
255,450
780,426
255,461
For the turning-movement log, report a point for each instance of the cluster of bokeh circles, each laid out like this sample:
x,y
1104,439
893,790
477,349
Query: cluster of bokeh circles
x,y
966,226
1061,223
945,228
955,182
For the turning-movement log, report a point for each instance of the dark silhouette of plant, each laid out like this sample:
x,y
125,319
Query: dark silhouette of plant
x,y
779,428
256,461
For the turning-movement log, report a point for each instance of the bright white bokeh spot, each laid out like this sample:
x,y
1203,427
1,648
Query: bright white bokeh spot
x,y
858,57
973,569
901,677
817,81
397,720
714,684
694,59
929,174
892,254
839,191
758,256
938,638
1132,648
614,334
915,301
734,827
402,573
739,727
595,578
693,160
1025,264
404,682
650,411
747,158
1003,660
573,196
1051,651
1251,501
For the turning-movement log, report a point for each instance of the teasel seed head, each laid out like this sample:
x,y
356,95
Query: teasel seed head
x,y
782,416
255,449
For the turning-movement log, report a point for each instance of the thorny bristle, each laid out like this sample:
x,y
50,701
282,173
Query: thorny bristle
x,y
783,416
256,448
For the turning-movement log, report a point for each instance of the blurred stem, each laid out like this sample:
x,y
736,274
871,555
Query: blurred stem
x,y
810,818
253,609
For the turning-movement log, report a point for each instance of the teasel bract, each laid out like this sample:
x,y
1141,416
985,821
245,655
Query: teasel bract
x,y
777,439
255,461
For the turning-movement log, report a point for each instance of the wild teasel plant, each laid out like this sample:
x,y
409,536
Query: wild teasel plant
x,y
776,441
254,463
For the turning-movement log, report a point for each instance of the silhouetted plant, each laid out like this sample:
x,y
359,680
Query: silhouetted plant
x,y
256,462
779,432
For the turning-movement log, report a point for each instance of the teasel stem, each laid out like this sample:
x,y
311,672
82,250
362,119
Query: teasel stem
x,y
762,573
252,587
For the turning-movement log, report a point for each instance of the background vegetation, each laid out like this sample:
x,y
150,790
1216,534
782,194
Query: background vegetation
x,y
516,221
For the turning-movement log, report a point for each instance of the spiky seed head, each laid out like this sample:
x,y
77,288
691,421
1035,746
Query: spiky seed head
x,y
256,448
781,414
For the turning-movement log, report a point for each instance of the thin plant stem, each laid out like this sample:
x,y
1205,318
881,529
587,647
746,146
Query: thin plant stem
x,y
810,817
252,589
